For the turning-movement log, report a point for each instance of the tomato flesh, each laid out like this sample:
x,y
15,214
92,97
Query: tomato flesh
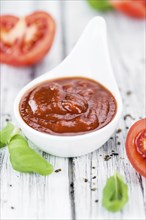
x,y
133,8
136,146
140,143
25,41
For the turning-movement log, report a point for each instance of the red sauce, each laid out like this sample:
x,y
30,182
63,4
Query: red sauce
x,y
68,106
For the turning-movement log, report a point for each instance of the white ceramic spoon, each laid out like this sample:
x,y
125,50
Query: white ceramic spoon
x,y
89,58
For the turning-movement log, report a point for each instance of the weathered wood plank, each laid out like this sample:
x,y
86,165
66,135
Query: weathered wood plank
x,y
30,196
90,172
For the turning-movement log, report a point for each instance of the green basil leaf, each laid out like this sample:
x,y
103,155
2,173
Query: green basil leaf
x,y
115,193
101,5
5,134
24,159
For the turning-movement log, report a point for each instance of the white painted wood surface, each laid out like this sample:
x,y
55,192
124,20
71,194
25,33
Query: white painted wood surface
x,y
67,195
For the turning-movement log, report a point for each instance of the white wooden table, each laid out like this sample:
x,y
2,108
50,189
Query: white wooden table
x,y
76,191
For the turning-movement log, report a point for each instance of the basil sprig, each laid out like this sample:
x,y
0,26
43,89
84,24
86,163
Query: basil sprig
x,y
22,157
5,134
115,193
101,5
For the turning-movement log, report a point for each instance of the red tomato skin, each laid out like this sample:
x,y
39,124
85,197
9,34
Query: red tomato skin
x,y
137,161
133,8
32,57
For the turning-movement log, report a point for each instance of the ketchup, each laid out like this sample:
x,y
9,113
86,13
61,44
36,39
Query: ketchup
x,y
68,106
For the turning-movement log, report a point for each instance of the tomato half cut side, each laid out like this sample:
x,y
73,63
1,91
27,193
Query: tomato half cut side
x,y
25,41
133,8
136,146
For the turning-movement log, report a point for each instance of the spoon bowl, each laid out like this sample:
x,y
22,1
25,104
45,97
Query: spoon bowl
x,y
89,58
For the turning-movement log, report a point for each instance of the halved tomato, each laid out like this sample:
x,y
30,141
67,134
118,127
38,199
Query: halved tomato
x,y
136,146
25,41
134,8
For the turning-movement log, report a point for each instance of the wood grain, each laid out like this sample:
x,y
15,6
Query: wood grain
x,y
76,192
126,45
25,196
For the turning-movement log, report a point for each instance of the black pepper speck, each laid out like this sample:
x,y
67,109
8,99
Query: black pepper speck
x,y
128,93
93,189
94,177
115,154
85,180
119,130
107,157
57,171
